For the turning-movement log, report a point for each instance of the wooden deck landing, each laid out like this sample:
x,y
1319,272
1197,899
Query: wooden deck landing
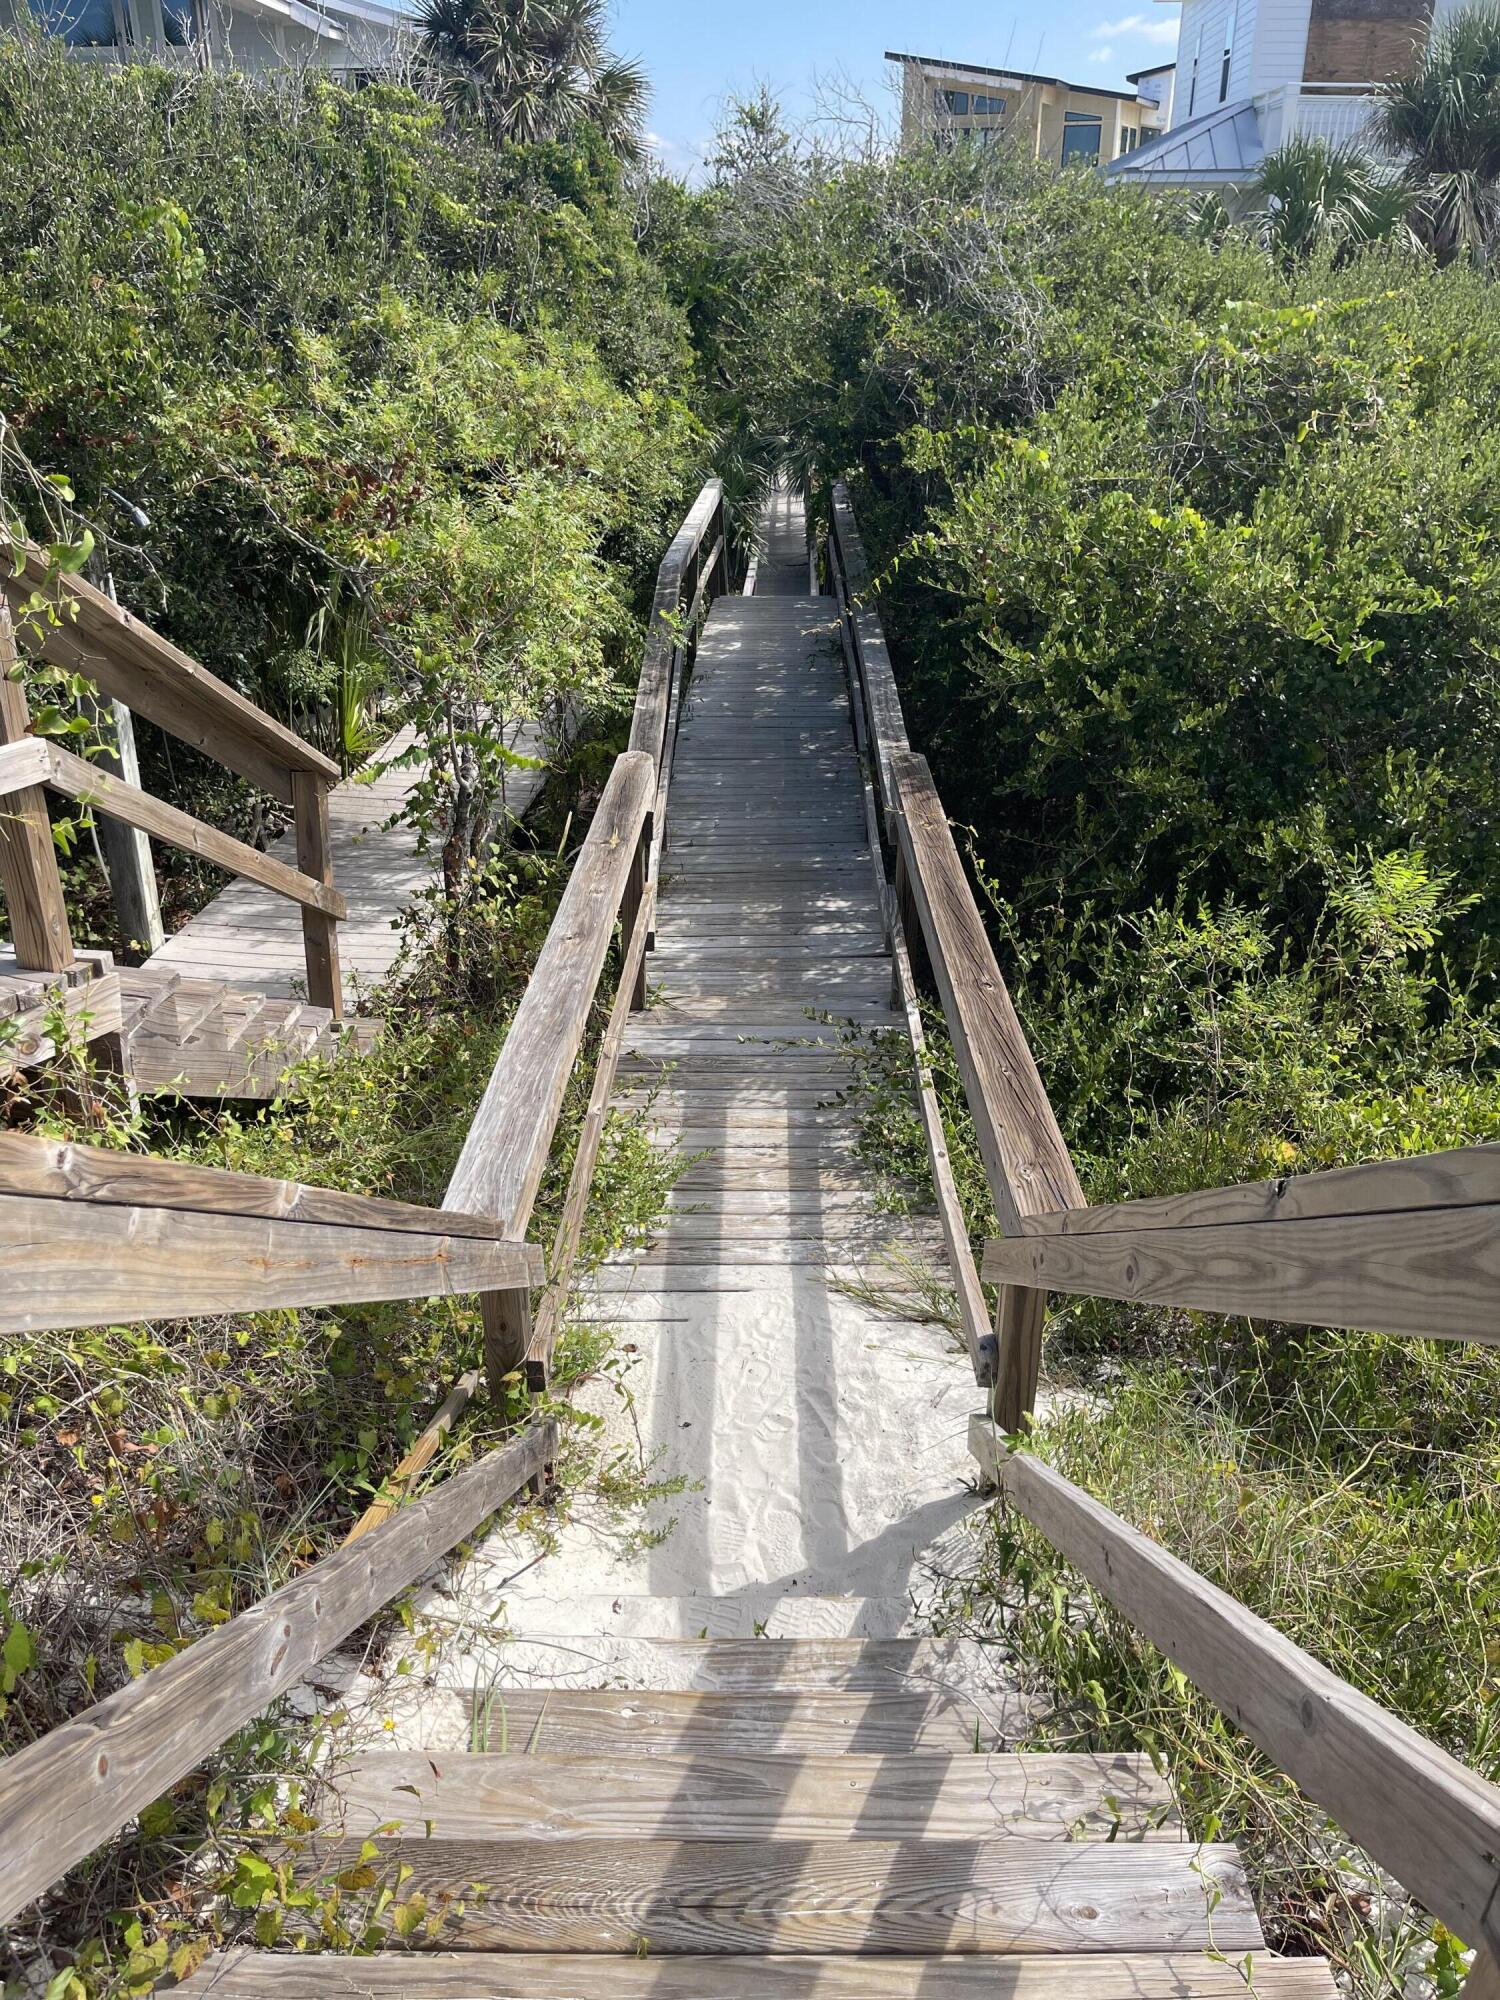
x,y
252,938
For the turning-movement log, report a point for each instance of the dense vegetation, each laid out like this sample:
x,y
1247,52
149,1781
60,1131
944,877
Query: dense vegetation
x,y
1188,566
384,425
1188,560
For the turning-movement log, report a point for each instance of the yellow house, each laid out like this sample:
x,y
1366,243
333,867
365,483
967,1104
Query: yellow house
x,y
1043,115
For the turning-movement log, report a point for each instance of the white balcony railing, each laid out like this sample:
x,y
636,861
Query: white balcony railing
x,y
1337,112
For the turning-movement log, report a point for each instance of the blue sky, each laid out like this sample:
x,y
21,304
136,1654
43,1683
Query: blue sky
x,y
698,55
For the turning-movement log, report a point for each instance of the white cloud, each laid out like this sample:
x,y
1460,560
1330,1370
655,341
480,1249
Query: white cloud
x,y
1102,55
1143,27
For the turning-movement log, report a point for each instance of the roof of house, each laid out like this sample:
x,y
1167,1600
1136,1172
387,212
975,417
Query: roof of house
x,y
1159,69
952,68
1224,146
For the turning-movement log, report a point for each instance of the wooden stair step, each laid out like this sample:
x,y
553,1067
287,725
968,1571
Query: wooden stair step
x,y
793,1896
485,1798
578,1722
448,1975
753,1666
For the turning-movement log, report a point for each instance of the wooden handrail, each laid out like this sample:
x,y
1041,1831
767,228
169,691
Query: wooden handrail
x,y
1026,1162
88,633
89,784
1434,1824
80,1783
508,1144
1402,1246
648,725
75,1263
22,765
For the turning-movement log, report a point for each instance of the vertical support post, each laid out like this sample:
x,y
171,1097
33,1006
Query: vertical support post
x,y
28,859
630,908
1483,1982
126,850
507,1335
1019,1318
320,932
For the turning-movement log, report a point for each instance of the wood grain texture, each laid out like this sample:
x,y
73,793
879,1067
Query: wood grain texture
x,y
247,1975
568,1722
82,1264
118,652
716,1796
29,873
1420,1813
63,1795
586,1152
55,1170
320,938
1432,1273
816,1666
505,1153
1026,1160
89,784
653,691
1466,1177
22,765
830,1896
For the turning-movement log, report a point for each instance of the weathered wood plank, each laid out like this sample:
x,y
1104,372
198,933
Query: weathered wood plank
x,y
1433,1273
653,692
760,1667
1026,1160
63,1795
1418,1811
505,1153
320,938
571,1722
1466,1177
89,784
840,1896
66,1263
22,765
717,1796
99,639
29,873
586,1153
248,1975
58,1171
883,703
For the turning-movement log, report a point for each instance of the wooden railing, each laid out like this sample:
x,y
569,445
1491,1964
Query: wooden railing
x,y
1406,1246
89,1235
81,629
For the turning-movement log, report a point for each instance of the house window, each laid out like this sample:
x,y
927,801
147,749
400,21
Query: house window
x,y
986,107
84,24
1130,138
956,101
179,23
1193,85
1228,52
1082,134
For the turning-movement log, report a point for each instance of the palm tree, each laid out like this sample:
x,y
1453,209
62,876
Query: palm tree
x,y
1310,195
1445,120
535,69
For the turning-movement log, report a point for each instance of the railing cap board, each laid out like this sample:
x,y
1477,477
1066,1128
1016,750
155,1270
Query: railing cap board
x,y
1433,1823
63,1795
1026,1159
66,1263
55,1170
649,720
136,665
1458,1179
1432,1273
505,1153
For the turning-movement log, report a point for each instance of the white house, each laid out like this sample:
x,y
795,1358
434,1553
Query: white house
x,y
1252,73
353,39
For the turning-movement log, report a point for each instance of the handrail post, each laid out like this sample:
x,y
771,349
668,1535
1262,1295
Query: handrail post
x,y
630,904
127,851
320,931
28,859
1020,1317
506,1318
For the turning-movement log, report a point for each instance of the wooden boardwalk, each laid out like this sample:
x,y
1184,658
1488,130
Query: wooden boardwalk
x,y
251,938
